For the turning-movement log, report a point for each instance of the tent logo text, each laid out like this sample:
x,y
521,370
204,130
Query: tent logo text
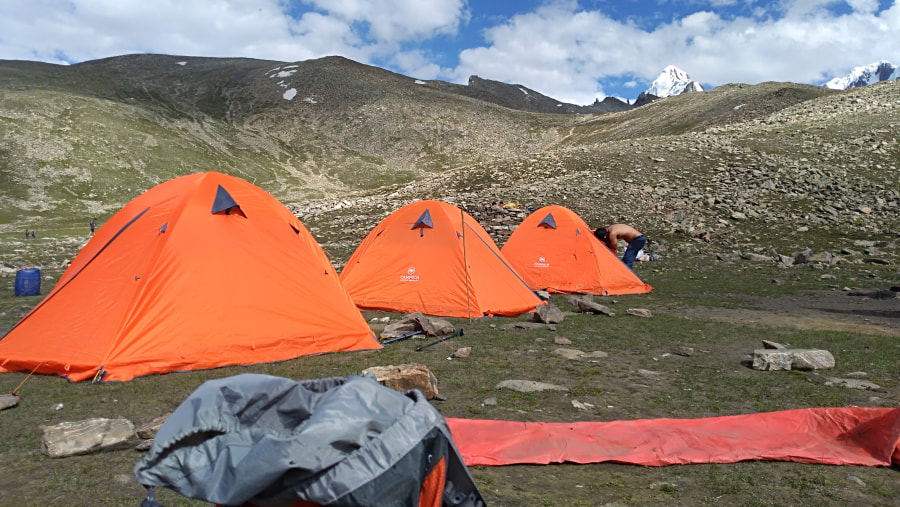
x,y
410,275
542,262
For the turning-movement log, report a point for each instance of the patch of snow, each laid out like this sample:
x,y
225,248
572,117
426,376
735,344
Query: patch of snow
x,y
181,63
865,75
523,90
311,100
739,106
285,73
673,81
290,94
419,81
559,105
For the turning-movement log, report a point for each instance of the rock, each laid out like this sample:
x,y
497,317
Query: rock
x,y
580,405
8,401
639,312
149,430
489,402
589,306
397,329
431,325
852,383
548,314
579,355
462,352
405,377
792,359
544,295
685,351
529,386
856,480
768,344
559,340
87,436
568,353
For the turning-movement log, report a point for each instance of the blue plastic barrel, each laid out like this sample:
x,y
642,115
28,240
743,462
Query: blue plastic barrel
x,y
28,282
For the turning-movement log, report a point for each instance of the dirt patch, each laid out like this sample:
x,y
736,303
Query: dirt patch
x,y
822,311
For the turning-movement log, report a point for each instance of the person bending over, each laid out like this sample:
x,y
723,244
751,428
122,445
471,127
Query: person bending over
x,y
611,235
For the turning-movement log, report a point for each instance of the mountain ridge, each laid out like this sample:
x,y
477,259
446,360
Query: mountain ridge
x,y
82,141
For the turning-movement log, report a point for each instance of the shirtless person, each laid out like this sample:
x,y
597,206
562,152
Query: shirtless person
x,y
611,235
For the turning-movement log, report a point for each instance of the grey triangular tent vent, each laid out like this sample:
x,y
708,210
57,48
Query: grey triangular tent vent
x,y
225,203
422,222
548,221
162,230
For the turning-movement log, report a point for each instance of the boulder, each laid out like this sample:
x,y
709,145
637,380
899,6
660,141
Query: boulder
x,y
792,359
87,436
405,377
548,314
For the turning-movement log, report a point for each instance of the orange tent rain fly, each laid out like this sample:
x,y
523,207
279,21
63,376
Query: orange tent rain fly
x,y
432,257
554,249
201,271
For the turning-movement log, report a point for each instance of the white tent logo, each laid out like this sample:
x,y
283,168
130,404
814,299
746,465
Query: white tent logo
x,y
410,275
542,262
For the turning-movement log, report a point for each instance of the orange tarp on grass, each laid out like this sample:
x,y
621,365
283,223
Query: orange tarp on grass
x,y
831,436
431,257
201,271
554,249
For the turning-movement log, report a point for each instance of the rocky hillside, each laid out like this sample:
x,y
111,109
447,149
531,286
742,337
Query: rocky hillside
x,y
741,170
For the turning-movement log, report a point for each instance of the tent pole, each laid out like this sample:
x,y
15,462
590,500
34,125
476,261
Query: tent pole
x,y
462,218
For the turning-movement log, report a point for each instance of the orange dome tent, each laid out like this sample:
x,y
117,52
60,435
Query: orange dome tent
x,y
432,257
201,271
554,249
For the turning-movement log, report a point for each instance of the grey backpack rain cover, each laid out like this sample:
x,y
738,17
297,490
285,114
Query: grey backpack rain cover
x,y
270,441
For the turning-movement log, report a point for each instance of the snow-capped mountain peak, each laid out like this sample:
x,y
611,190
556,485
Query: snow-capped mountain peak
x,y
673,81
865,75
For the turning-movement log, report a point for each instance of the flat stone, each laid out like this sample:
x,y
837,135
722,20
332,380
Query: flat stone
x,y
529,386
8,401
568,353
639,312
87,436
852,383
792,359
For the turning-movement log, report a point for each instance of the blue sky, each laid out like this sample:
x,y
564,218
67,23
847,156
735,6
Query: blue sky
x,y
574,51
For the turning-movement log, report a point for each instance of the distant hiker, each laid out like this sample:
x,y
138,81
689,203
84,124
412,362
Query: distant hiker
x,y
93,225
26,234
611,235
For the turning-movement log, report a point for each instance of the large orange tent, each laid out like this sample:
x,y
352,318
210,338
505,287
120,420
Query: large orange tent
x,y
201,271
554,249
432,257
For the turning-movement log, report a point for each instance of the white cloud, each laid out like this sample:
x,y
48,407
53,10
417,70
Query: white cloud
x,y
577,47
393,21
559,49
